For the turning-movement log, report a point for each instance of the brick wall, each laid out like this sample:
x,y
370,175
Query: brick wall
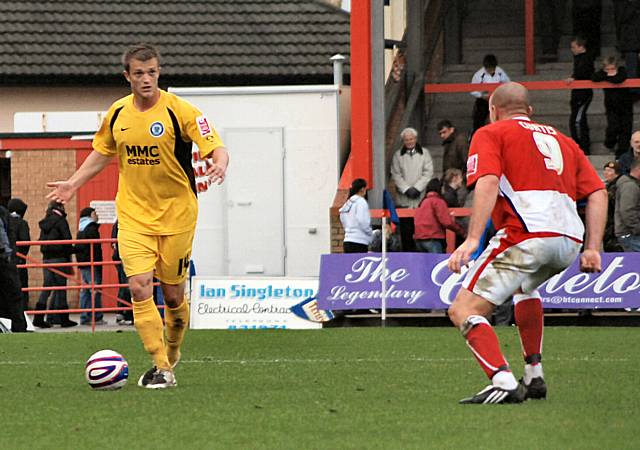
x,y
30,172
337,232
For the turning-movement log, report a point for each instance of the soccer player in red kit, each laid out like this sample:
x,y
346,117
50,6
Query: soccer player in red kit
x,y
527,177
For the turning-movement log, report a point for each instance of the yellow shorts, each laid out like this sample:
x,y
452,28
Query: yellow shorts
x,y
169,255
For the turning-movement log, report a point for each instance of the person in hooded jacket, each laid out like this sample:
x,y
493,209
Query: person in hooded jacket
x,y
432,221
10,300
356,220
54,226
89,228
19,231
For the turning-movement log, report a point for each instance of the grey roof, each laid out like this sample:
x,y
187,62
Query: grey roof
x,y
201,41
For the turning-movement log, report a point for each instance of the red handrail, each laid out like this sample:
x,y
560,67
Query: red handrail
x,y
553,85
53,267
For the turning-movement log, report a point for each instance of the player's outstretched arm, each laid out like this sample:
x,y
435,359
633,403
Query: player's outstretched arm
x,y
217,169
596,219
484,199
63,191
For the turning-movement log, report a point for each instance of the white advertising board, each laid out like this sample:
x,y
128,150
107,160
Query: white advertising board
x,y
249,303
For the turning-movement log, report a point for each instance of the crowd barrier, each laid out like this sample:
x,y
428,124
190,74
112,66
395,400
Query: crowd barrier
x,y
59,269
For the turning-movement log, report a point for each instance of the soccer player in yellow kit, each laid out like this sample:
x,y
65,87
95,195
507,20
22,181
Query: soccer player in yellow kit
x,y
151,133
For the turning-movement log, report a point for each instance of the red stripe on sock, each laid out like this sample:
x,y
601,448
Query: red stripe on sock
x,y
486,348
530,321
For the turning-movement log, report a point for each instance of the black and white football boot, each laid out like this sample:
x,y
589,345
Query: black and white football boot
x,y
494,395
146,377
162,379
536,389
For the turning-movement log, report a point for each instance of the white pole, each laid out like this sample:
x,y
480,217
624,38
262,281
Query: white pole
x,y
383,293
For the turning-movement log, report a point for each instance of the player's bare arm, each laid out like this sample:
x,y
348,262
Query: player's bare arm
x,y
595,218
484,199
63,191
217,167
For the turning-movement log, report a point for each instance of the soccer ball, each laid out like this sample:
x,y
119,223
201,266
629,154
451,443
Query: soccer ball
x,y
106,370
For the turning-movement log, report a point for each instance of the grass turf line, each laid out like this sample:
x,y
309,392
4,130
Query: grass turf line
x,y
336,388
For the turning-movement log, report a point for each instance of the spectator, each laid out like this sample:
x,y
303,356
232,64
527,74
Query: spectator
x,y
53,227
627,210
126,317
10,299
580,98
611,174
394,244
550,19
454,191
489,73
432,221
88,228
356,219
633,154
627,18
586,23
455,145
19,231
411,169
618,106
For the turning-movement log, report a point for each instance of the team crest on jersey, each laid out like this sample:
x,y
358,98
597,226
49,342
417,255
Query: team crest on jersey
x,y
472,164
203,125
156,129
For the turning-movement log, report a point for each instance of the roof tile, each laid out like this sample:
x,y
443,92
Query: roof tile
x,y
208,39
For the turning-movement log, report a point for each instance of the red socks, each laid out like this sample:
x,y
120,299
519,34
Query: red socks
x,y
530,321
483,342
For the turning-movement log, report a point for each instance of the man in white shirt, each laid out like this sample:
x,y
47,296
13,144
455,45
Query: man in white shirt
x,y
489,73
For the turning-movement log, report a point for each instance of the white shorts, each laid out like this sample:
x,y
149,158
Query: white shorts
x,y
516,262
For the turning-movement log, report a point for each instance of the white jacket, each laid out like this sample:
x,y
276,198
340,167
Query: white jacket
x,y
411,170
356,220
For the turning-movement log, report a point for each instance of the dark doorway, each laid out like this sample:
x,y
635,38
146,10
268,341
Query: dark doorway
x,y
5,180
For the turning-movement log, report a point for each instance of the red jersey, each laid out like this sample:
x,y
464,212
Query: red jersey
x,y
542,173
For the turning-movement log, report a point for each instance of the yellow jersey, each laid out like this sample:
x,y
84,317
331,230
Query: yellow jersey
x,y
156,189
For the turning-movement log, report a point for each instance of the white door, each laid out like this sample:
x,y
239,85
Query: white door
x,y
255,201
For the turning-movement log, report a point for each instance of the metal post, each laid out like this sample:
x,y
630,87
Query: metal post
x,y
378,128
377,103
383,288
529,38
338,61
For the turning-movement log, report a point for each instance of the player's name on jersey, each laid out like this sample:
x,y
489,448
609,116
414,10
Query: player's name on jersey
x,y
537,127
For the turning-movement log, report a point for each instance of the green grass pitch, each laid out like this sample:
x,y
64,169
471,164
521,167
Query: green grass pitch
x,y
360,388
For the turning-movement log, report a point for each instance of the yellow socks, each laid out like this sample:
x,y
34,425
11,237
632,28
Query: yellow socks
x,y
177,320
149,325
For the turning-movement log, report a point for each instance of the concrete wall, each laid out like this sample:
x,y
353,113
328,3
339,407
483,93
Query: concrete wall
x,y
27,99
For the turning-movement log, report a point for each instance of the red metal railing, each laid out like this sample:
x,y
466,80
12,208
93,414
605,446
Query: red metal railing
x,y
407,212
32,263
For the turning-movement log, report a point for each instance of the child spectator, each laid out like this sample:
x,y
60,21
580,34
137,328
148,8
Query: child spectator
x,y
432,219
618,105
393,239
580,98
454,191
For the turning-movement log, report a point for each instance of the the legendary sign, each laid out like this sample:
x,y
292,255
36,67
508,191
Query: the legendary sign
x,y
423,281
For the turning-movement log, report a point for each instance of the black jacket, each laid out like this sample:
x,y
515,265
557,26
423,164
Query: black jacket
x,y
91,231
582,70
55,227
618,100
18,227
